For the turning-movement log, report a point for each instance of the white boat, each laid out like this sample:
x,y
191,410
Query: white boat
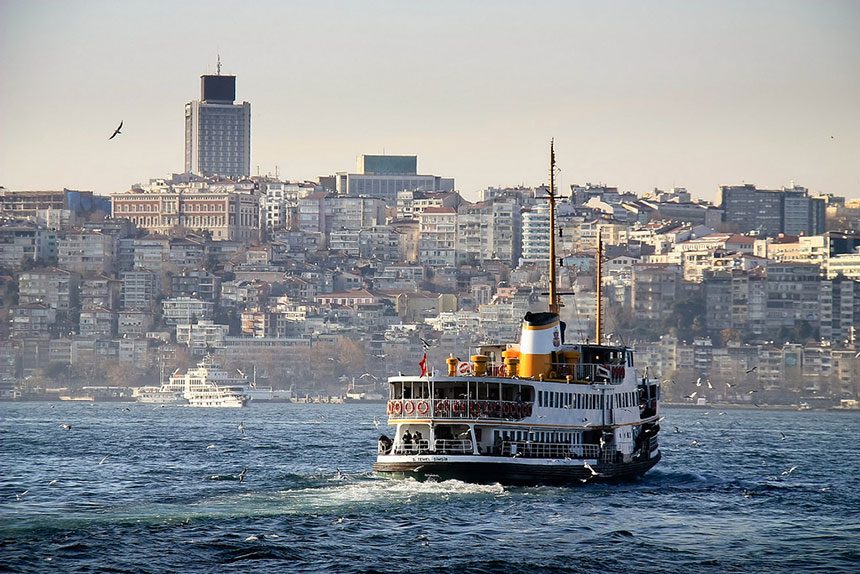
x,y
216,396
538,412
207,385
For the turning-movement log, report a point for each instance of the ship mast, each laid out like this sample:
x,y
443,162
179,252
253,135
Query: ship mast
x,y
598,288
554,302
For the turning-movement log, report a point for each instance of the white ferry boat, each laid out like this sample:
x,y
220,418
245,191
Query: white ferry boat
x,y
538,412
207,385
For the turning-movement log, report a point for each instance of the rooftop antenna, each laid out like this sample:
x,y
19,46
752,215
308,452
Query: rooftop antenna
x,y
218,67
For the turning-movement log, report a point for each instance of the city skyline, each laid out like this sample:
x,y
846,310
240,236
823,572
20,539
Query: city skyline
x,y
636,96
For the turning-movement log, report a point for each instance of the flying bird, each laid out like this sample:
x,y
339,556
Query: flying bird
x,y
710,386
750,370
241,476
783,436
730,385
102,461
66,426
789,471
116,131
20,496
692,395
699,382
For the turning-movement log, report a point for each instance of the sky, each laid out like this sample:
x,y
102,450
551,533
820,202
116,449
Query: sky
x,y
637,95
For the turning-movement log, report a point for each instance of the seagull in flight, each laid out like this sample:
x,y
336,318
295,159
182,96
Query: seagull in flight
x,y
789,471
783,436
102,461
692,395
66,426
116,131
241,476
20,496
730,385
699,382
750,370
589,467
424,343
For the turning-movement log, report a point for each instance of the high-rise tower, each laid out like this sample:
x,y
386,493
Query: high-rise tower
x,y
218,130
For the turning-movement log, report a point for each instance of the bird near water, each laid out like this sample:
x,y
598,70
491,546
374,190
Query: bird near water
x,y
116,132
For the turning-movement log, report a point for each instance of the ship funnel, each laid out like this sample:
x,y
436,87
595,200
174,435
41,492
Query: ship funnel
x,y
539,339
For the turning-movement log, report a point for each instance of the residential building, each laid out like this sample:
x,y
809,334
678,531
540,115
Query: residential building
x,y
25,242
86,252
56,288
177,310
770,212
437,245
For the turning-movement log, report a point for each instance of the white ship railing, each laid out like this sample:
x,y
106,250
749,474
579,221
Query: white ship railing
x,y
441,446
528,449
458,409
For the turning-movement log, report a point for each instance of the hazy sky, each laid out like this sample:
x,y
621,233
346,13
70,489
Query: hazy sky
x,y
637,94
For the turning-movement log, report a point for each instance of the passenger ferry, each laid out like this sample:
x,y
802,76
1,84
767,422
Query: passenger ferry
x,y
540,411
207,385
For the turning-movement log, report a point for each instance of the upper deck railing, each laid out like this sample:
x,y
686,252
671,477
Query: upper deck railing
x,y
458,409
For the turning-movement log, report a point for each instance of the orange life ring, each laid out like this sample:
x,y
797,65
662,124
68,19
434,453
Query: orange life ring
x,y
389,408
506,409
409,408
475,409
396,407
423,407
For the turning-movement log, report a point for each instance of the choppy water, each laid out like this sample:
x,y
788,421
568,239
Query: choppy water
x,y
167,498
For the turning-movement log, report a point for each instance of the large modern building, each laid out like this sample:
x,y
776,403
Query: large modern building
x,y
770,212
218,130
384,176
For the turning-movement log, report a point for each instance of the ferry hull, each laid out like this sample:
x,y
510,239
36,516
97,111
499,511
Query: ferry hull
x,y
519,473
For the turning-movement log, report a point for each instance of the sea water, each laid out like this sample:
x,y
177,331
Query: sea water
x,y
144,488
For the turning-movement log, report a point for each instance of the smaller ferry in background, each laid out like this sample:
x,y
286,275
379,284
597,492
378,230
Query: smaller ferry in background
x,y
207,385
370,393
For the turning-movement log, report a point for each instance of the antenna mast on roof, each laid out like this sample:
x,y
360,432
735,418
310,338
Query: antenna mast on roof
x,y
218,68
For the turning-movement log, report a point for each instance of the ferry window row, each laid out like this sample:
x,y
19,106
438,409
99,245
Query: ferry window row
x,y
627,400
547,437
559,400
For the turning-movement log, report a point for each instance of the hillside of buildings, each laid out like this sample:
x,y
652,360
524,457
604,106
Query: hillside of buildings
x,y
321,284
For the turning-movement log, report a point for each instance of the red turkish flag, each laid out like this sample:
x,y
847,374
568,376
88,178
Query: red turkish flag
x,y
423,365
